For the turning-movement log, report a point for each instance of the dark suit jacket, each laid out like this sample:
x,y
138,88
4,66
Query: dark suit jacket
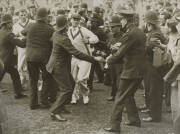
x,y
60,60
131,53
39,44
8,41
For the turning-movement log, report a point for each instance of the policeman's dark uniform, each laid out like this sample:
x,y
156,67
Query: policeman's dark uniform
x,y
132,56
115,69
8,42
60,64
38,51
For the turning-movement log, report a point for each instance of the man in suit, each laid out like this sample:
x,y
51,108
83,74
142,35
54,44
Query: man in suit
x,y
38,51
60,66
132,55
8,42
115,69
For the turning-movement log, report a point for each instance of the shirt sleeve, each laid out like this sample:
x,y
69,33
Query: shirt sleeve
x,y
73,51
93,39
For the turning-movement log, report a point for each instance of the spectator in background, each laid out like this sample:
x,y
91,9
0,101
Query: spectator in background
x,y
175,7
3,114
17,29
173,47
153,79
172,77
74,10
84,10
60,12
96,12
32,11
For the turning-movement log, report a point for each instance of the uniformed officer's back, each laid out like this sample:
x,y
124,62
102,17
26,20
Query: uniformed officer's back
x,y
39,43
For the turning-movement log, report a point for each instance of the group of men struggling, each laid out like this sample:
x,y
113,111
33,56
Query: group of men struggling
x,y
63,55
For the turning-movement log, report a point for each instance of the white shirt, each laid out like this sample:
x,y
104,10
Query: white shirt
x,y
77,39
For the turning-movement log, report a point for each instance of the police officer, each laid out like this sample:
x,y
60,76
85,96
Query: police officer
x,y
115,69
8,42
60,66
38,51
132,53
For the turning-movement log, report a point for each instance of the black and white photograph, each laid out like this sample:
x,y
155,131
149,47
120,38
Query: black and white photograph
x,y
89,66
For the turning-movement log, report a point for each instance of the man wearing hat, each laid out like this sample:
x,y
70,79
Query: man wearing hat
x,y
115,69
8,42
60,66
154,77
84,9
74,10
38,50
132,53
81,39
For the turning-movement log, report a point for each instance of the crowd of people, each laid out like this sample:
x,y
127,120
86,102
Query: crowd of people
x,y
57,52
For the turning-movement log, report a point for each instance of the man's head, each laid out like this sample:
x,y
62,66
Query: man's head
x,y
127,16
7,21
151,20
115,24
75,8
84,6
94,21
75,20
171,26
23,15
42,14
61,23
163,17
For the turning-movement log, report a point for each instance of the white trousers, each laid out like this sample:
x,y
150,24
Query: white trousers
x,y
175,100
22,67
80,71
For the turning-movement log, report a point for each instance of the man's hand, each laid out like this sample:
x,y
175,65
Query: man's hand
x,y
108,58
99,58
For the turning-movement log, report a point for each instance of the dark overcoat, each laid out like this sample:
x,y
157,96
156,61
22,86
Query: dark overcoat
x,y
8,42
60,60
38,43
131,54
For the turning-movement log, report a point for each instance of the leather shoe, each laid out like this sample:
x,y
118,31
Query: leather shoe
x,y
110,129
110,98
19,96
57,117
136,124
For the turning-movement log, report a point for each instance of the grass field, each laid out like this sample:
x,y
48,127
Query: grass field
x,y
85,119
